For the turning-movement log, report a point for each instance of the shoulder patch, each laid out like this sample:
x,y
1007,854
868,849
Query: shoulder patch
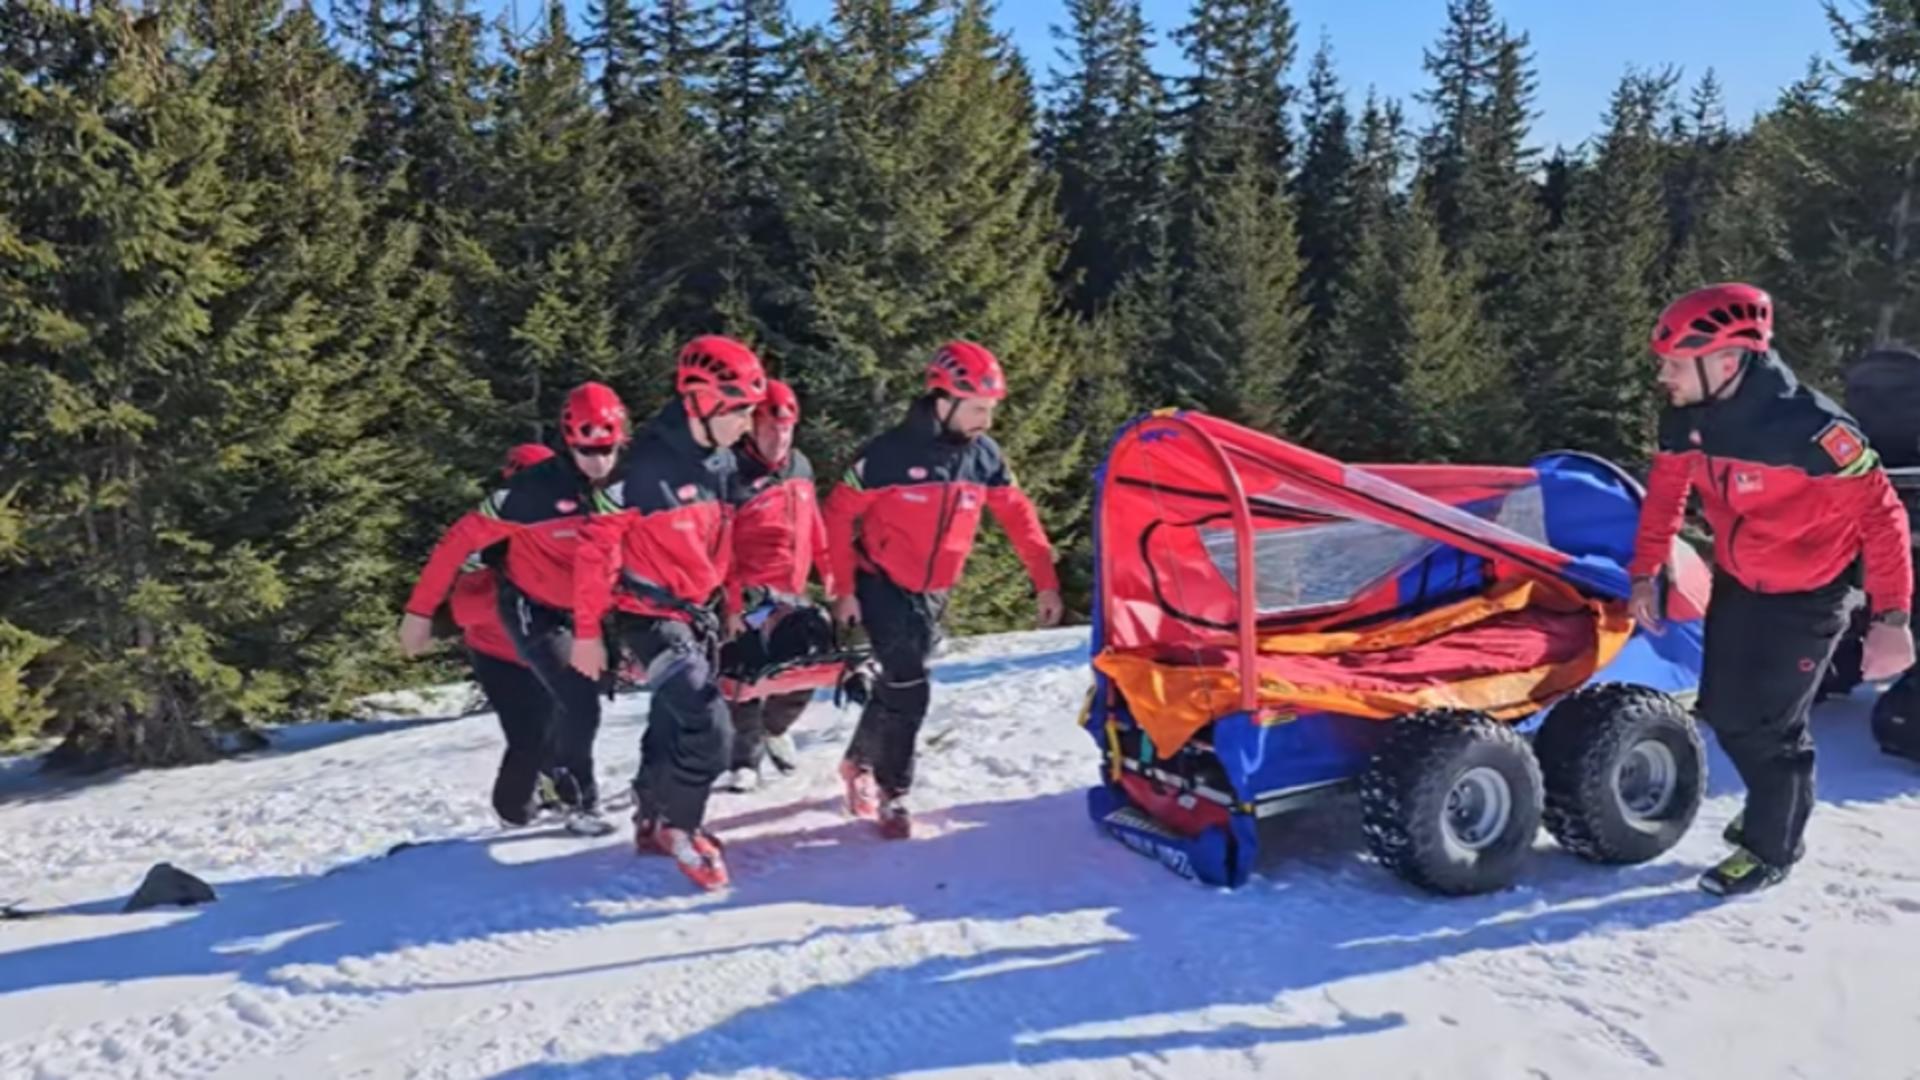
x,y
1843,443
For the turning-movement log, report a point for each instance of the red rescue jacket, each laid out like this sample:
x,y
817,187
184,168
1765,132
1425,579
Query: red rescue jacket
x,y
476,611
778,531
1789,485
910,507
664,526
540,513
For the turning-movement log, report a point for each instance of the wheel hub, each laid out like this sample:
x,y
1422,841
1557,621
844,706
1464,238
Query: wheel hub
x,y
1646,780
1478,808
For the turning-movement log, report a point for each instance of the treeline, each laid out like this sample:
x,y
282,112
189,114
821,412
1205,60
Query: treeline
x,y
276,293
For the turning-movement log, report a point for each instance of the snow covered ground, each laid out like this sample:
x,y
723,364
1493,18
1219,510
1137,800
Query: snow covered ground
x,y
1011,938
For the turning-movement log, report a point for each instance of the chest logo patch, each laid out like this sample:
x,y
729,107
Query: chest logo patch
x,y
1843,444
916,473
1748,483
566,506
687,492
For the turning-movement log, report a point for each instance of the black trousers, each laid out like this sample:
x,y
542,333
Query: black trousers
x,y
526,717
543,637
1764,657
756,721
904,627
689,737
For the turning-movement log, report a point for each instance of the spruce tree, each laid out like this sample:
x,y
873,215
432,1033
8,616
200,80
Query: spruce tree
x,y
1601,388
1356,411
1324,188
551,240
1234,105
1452,386
1102,138
753,105
1242,326
938,223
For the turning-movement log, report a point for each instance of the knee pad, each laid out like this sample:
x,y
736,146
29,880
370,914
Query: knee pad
x,y
905,697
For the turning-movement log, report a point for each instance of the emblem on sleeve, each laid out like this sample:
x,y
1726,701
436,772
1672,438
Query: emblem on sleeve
x,y
1842,443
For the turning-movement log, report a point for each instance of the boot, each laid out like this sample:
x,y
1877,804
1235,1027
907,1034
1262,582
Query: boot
x,y
696,852
781,751
895,818
863,794
1740,874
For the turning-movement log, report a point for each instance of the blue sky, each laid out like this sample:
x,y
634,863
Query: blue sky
x,y
1581,47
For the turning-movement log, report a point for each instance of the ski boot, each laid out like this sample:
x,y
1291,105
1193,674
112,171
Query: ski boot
x,y
586,821
863,794
740,781
696,852
546,794
1740,874
1736,834
780,751
895,817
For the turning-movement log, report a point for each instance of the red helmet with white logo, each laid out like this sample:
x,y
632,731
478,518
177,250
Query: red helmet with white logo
x,y
716,373
1717,317
963,369
593,417
781,404
525,456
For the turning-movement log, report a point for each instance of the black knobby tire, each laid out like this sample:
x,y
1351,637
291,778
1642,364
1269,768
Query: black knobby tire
x,y
1625,771
1410,805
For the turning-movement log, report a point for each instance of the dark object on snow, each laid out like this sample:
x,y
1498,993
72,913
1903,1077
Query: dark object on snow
x,y
168,885
1883,394
1896,718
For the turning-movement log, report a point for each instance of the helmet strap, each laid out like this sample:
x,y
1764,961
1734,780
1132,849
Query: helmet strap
x,y
1719,393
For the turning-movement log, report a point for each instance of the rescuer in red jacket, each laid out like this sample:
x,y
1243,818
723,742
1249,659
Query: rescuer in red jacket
x,y
1794,496
899,528
779,536
658,551
538,517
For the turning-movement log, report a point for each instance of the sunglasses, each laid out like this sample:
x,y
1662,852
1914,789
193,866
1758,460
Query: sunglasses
x,y
595,451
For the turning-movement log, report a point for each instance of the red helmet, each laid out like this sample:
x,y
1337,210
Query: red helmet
x,y
593,417
964,370
1714,318
525,456
780,405
716,372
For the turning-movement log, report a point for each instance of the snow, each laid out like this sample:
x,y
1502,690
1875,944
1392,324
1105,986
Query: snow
x,y
1010,939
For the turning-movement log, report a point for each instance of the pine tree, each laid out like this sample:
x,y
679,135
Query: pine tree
x,y
753,106
938,223
1697,178
1234,106
1463,68
1324,188
1103,140
1600,395
551,240
1240,347
614,42
1826,219
1356,410
1235,271
1451,386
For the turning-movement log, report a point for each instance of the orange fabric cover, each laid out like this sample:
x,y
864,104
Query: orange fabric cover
x,y
1507,652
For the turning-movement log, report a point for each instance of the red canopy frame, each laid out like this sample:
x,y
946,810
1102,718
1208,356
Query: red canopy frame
x,y
1367,494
